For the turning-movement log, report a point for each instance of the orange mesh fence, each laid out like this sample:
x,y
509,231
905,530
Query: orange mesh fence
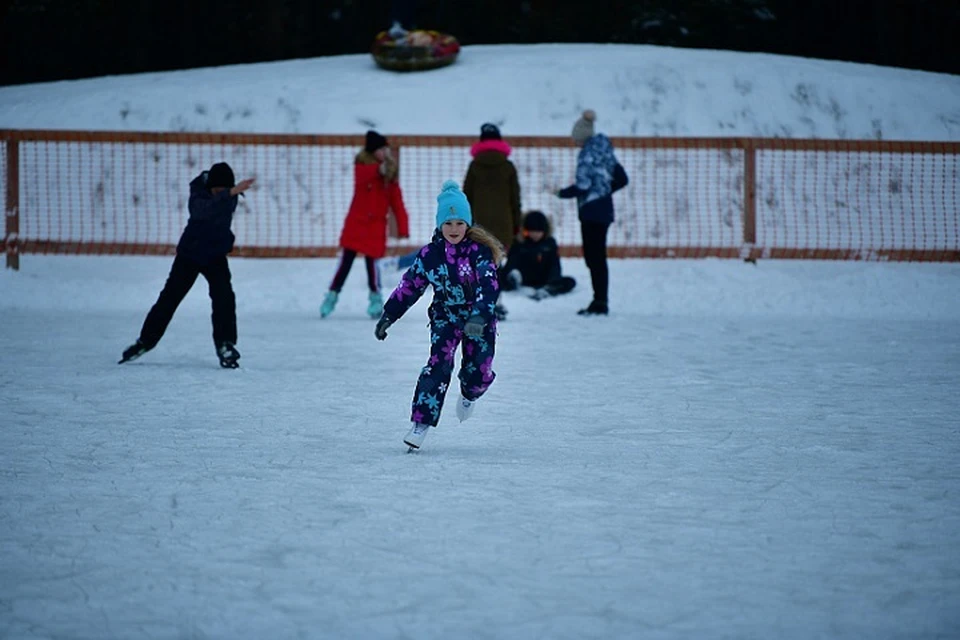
x,y
104,192
858,200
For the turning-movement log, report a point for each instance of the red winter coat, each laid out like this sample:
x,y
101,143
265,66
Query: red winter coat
x,y
365,229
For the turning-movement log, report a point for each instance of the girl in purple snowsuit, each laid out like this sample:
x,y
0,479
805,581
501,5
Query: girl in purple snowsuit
x,y
461,264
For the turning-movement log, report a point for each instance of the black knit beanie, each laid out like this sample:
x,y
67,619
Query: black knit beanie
x,y
489,131
535,221
220,175
374,141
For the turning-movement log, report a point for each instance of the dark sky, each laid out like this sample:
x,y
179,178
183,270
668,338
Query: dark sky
x,y
51,40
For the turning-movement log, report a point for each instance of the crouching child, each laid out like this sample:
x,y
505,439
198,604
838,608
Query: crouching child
x,y
534,262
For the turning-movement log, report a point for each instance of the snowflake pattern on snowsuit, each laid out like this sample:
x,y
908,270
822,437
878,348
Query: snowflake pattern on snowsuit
x,y
464,281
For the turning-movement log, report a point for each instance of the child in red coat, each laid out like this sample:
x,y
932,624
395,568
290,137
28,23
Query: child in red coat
x,y
376,191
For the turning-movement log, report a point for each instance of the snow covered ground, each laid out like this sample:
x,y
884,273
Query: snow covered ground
x,y
736,451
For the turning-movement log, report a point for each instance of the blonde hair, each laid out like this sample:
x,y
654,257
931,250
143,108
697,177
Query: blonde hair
x,y
388,168
484,237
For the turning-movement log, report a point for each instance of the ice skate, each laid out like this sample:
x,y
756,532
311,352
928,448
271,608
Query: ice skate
x,y
594,309
375,307
229,356
134,351
465,408
329,303
539,294
416,435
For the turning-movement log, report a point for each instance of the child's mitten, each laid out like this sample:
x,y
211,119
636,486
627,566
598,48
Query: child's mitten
x,y
474,326
382,325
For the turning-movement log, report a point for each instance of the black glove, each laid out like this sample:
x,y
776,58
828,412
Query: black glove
x,y
382,325
474,326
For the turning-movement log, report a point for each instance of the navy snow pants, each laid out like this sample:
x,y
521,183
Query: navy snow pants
x,y
476,368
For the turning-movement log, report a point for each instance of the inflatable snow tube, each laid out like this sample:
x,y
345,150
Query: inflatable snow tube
x,y
417,50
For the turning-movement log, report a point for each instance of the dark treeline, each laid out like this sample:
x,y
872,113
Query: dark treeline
x,y
64,39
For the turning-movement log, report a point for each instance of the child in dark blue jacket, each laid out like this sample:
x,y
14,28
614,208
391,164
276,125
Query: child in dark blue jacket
x,y
460,263
534,262
202,250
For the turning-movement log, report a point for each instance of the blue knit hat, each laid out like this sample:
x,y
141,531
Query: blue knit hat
x,y
452,205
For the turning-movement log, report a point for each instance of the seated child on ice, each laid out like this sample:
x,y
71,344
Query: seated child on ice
x,y
535,261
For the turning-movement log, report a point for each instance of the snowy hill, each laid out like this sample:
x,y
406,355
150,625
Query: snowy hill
x,y
528,90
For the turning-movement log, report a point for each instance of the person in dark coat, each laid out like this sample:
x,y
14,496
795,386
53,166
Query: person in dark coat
x,y
493,189
202,250
535,261
599,176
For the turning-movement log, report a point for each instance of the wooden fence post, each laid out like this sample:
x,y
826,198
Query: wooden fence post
x,y
749,252
11,240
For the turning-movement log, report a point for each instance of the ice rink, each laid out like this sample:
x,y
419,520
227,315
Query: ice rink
x,y
737,451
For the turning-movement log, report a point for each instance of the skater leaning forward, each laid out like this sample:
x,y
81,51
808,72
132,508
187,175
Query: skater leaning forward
x,y
461,264
202,250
